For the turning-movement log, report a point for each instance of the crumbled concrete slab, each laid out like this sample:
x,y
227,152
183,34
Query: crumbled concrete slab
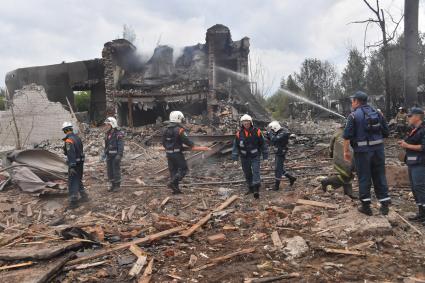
x,y
295,247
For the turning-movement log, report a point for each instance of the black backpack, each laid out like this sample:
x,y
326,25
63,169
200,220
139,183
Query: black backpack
x,y
373,121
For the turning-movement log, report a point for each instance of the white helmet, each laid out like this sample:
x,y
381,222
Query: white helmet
x,y
274,126
176,117
66,125
111,121
246,117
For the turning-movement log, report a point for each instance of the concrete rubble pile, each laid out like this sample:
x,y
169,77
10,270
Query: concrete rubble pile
x,y
211,233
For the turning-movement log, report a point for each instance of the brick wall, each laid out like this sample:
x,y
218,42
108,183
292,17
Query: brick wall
x,y
37,118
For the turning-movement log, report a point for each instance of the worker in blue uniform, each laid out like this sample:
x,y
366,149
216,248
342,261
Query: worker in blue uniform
x,y
365,131
414,144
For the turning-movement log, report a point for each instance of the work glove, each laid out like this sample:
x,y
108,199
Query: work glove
x,y
235,157
118,158
72,172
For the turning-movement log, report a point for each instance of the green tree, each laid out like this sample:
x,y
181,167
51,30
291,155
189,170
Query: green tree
x,y
375,84
292,85
2,99
353,77
82,101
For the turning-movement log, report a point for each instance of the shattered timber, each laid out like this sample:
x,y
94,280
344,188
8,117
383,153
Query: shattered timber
x,y
211,233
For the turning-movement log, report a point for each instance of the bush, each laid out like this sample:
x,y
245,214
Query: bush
x,y
82,101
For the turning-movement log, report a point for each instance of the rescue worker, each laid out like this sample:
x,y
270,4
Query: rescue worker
x,y
365,131
414,144
173,139
114,150
279,138
73,150
401,122
344,169
249,144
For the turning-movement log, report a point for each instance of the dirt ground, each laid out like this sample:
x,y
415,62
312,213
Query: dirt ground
x,y
381,249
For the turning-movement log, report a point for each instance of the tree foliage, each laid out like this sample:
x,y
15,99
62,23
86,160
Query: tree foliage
x,y
82,101
353,77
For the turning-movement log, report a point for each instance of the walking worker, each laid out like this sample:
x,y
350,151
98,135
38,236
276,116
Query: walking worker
x,y
249,144
401,122
279,138
73,150
114,150
365,131
344,169
173,139
414,144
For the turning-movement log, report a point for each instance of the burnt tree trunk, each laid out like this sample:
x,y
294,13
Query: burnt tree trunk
x,y
411,56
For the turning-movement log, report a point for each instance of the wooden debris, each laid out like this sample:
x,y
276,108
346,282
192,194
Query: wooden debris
x,y
230,228
277,242
207,217
136,251
29,211
408,223
317,203
123,215
216,238
13,266
164,202
272,279
174,276
217,260
10,239
278,210
137,267
147,275
362,245
106,216
192,261
84,266
131,212
139,181
37,252
147,239
341,251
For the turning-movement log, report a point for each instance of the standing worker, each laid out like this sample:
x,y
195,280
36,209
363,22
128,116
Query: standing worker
x,y
344,169
365,130
114,150
401,122
414,144
173,139
249,143
73,150
279,138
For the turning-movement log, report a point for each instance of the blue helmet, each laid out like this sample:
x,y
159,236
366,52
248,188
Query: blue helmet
x,y
359,95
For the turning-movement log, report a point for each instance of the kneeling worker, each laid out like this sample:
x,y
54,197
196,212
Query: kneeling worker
x,y
345,169
173,139
279,138
73,150
414,144
249,143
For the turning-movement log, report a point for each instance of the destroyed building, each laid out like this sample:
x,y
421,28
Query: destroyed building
x,y
200,81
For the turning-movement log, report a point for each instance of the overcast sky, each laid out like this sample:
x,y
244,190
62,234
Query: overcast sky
x,y
283,32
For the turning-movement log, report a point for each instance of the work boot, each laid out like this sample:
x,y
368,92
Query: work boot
x,y
250,190
84,197
384,208
420,216
365,209
176,190
325,184
73,203
111,187
276,186
291,178
348,191
117,186
257,191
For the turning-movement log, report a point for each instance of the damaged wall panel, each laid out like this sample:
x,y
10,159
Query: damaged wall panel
x,y
37,118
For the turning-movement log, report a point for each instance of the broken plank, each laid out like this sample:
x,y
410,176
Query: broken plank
x,y
85,265
131,212
344,252
207,217
216,238
278,210
13,266
408,223
317,203
277,242
147,239
123,215
362,245
272,279
164,202
137,267
41,252
217,260
136,251
29,211
147,275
